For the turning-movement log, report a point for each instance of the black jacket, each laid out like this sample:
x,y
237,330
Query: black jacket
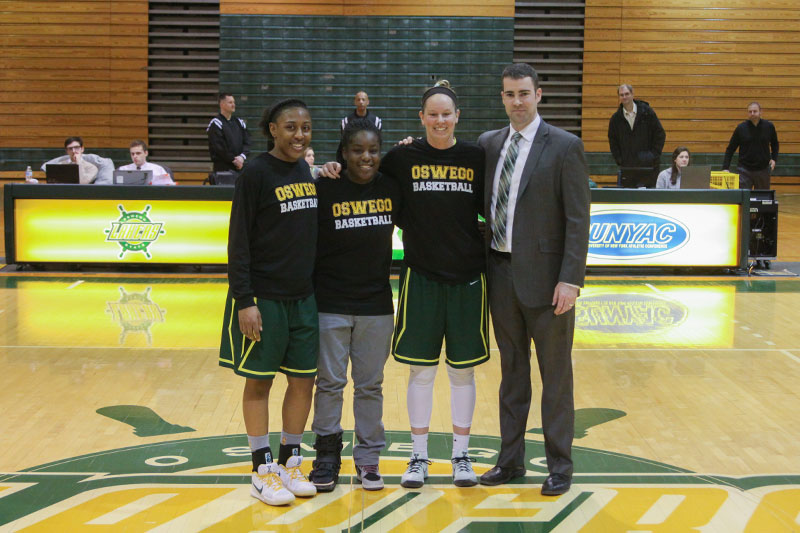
x,y
226,140
640,146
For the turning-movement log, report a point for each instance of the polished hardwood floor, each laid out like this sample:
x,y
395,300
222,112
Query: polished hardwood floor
x,y
115,415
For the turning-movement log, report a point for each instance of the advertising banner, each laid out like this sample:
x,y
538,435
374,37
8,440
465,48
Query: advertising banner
x,y
121,231
662,234
166,231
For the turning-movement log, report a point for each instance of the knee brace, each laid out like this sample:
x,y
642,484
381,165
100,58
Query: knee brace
x,y
462,395
420,395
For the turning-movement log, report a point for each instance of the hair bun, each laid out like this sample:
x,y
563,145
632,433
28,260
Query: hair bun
x,y
442,83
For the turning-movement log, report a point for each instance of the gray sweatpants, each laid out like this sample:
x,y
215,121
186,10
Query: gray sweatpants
x,y
365,340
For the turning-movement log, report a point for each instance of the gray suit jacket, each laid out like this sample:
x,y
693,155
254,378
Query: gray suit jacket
x,y
550,237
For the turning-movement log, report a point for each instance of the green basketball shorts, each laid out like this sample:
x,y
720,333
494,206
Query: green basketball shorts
x,y
429,311
289,340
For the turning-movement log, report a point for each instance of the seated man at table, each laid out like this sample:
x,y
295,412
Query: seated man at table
x,y
92,168
139,157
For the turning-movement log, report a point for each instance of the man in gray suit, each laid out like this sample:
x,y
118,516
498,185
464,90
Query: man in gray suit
x,y
537,205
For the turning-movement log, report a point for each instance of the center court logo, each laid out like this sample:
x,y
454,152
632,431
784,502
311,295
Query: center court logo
x,y
134,231
202,484
628,234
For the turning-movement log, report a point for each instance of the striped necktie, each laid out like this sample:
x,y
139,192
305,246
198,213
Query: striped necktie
x,y
503,188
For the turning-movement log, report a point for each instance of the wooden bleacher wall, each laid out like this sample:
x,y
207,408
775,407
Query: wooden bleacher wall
x,y
698,63
80,67
71,68
324,51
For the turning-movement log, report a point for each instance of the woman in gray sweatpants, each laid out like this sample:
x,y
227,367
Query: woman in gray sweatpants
x,y
357,214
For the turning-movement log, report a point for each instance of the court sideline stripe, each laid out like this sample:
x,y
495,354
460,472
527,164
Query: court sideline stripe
x,y
791,356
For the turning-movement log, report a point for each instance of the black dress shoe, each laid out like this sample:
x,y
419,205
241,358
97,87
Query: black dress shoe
x,y
556,484
500,474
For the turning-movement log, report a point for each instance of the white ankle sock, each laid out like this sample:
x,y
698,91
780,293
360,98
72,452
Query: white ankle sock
x,y
420,445
460,444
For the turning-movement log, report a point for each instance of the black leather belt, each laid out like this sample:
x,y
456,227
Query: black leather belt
x,y
501,255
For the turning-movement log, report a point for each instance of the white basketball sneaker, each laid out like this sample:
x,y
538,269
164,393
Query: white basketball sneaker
x,y
463,475
416,473
294,480
267,486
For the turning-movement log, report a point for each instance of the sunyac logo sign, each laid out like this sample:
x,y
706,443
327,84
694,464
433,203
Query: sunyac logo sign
x,y
625,234
203,485
134,231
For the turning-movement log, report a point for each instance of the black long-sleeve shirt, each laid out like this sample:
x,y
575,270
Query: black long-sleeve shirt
x,y
227,139
442,197
354,249
754,143
272,238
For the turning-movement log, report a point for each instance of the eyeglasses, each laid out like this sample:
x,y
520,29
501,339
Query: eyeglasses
x,y
74,148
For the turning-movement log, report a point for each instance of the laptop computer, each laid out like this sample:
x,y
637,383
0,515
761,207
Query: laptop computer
x,y
133,177
66,173
696,177
637,177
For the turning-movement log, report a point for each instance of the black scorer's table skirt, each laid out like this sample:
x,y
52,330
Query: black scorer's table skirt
x,y
113,224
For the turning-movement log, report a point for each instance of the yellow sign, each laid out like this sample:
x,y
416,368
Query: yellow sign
x,y
121,231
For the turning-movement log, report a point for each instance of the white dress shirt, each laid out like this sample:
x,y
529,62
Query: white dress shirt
x,y
524,148
160,175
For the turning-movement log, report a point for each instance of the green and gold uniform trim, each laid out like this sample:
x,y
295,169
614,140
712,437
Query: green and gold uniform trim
x,y
430,312
222,360
289,341
400,321
292,371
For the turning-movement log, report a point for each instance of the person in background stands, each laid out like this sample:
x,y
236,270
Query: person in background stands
x,y
139,157
635,135
92,168
228,138
671,177
757,142
361,101
309,157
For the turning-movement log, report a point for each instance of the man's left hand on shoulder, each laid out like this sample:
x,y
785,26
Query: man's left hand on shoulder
x,y
564,297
